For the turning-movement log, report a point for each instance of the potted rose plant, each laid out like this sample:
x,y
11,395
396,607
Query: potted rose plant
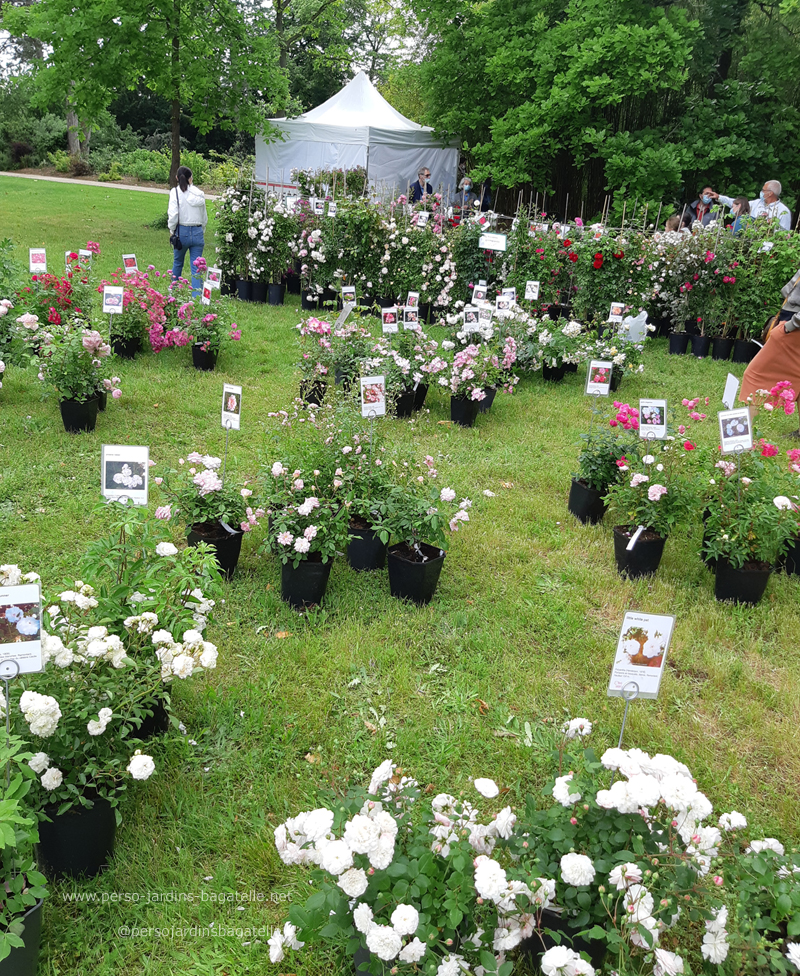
x,y
214,513
308,523
71,362
207,327
611,444
23,885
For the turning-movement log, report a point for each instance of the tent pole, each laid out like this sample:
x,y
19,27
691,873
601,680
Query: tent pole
x,y
659,215
566,210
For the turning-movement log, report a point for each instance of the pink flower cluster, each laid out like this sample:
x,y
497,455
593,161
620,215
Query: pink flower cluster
x,y
627,416
94,247
782,396
655,492
93,342
729,279
207,481
252,518
767,449
690,406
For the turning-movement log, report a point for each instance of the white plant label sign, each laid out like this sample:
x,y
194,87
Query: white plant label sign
x,y
641,654
113,296
124,473
389,320
21,629
373,396
348,293
129,263
231,406
493,242
214,277
598,377
653,419
731,389
410,317
346,310
37,260
479,292
735,430
617,309
531,291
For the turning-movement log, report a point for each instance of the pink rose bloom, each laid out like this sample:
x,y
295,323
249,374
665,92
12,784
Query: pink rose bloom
x,y
164,512
116,394
654,492
638,479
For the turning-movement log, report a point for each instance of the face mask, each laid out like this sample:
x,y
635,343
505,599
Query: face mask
x,y
706,199
467,187
761,197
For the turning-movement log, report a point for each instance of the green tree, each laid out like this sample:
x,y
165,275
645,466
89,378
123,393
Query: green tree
x,y
205,59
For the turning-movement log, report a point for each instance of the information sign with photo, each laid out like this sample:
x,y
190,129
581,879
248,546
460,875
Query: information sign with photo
x,y
348,293
617,310
389,320
641,654
205,298
373,396
502,304
129,263
410,317
422,218
21,628
653,419
479,293
291,202
231,406
493,242
412,299
214,277
124,472
37,260
113,297
735,430
509,293
471,316
486,314
531,291
319,208
332,208
67,262
598,377
347,308
85,257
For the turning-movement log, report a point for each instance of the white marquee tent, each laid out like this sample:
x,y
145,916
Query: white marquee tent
x,y
357,127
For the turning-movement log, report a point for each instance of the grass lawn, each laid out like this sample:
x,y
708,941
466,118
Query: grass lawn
x,y
522,628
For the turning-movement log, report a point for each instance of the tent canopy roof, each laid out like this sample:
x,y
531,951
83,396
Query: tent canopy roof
x,y
359,104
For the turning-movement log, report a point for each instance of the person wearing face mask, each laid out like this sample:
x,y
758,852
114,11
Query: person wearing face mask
x,y
741,213
767,205
700,208
422,187
466,195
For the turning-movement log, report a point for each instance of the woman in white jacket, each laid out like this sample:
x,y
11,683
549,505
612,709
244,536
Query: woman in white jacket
x,y
187,218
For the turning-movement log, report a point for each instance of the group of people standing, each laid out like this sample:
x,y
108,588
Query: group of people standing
x,y
466,198
768,204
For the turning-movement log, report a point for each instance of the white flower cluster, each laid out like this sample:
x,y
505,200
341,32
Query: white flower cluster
x,y
563,961
93,644
82,596
280,939
12,575
181,660
41,712
52,778
715,940
200,607
577,728
141,767
98,727
143,623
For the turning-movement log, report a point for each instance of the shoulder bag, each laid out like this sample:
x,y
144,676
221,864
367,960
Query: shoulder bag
x,y
174,238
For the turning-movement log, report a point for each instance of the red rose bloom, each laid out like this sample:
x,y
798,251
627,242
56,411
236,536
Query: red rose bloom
x,y
572,256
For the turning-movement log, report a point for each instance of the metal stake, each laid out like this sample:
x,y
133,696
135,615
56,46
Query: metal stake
x,y
228,426
630,692
7,675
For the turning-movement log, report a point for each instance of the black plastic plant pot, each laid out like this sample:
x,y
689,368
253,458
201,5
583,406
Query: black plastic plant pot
x,y
258,292
410,578
586,503
643,559
485,405
791,560
309,304
226,545
152,725
419,395
126,348
204,360
313,391
746,585
700,346
721,348
79,416
744,350
533,948
78,843
244,289
24,960
404,404
678,343
305,586
365,551
463,411
553,374
276,294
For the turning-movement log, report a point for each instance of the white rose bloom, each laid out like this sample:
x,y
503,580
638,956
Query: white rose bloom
x,y
732,821
667,963
208,659
275,943
141,767
715,947
290,936
559,961
452,965
52,778
39,762
384,942
405,920
361,834
490,878
99,727
336,857
182,665
318,824
41,713
545,894
561,791
577,728
624,875
486,787
362,918
577,869
792,954
412,952
382,774
383,855
96,633
166,549
353,882
767,844
385,822
504,823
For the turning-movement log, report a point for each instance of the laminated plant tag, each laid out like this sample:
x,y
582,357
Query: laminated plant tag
x,y
20,630
598,378
124,472
231,406
653,419
735,430
641,654
373,396
129,263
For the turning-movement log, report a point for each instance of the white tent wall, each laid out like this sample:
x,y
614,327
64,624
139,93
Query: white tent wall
x,y
357,127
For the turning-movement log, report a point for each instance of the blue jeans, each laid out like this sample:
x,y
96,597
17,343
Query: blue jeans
x,y
192,241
